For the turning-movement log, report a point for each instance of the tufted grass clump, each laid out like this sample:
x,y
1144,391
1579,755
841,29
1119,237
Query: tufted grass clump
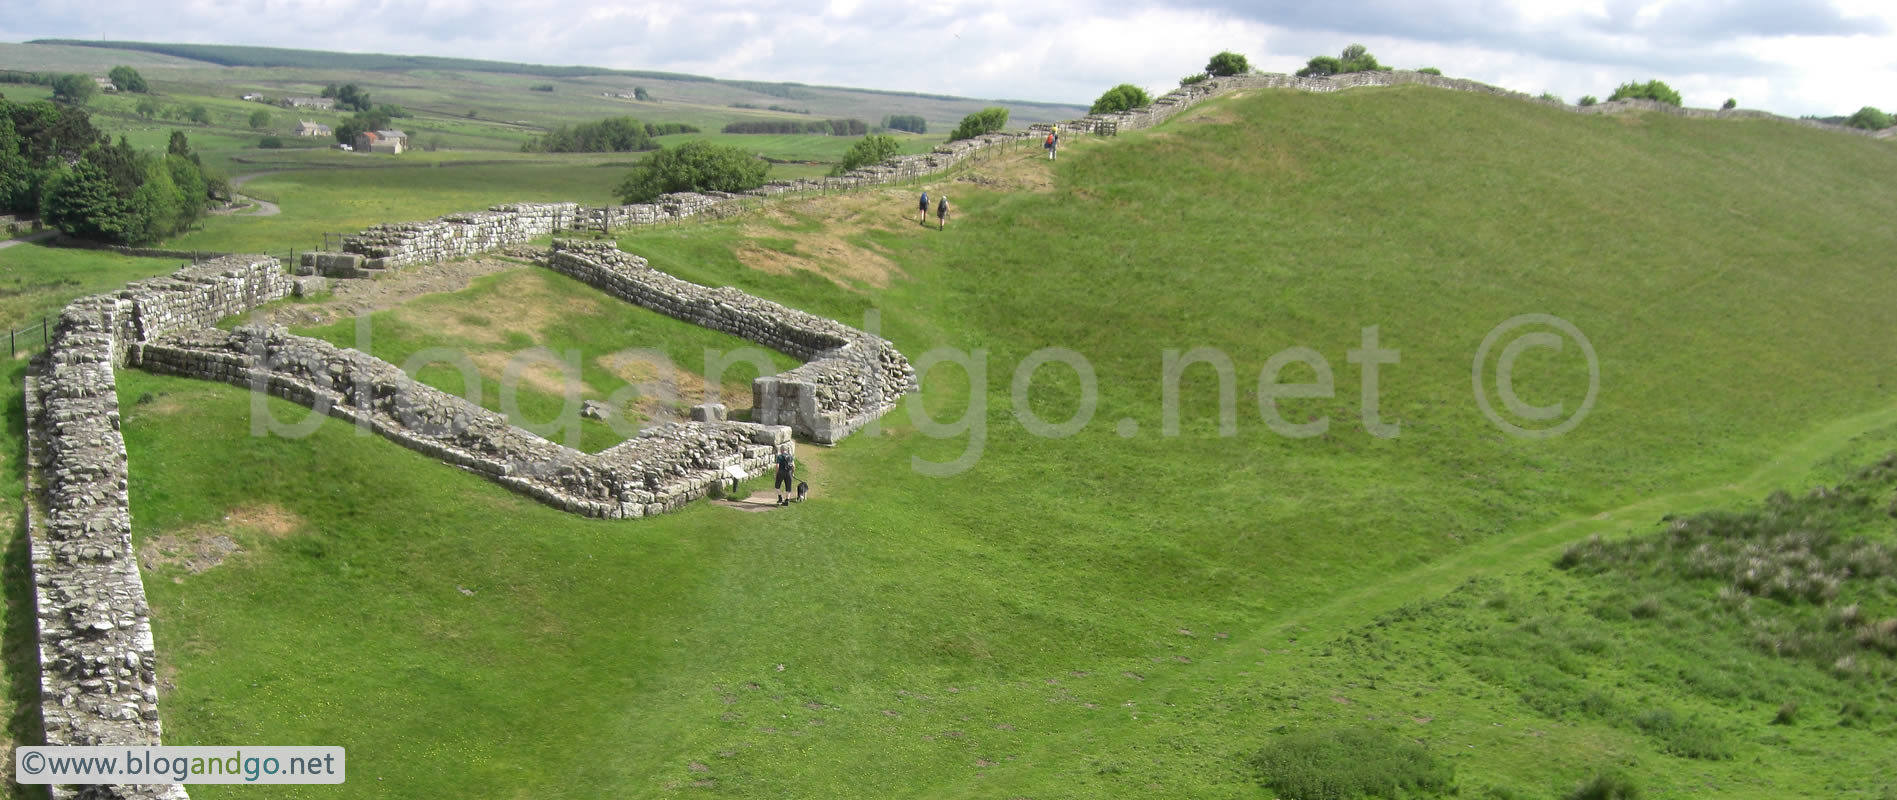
x,y
1351,763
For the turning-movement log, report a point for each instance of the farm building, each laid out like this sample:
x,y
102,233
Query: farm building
x,y
392,142
323,103
307,128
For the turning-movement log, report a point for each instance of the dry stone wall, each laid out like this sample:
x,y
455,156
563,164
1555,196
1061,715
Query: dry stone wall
x,y
98,679
456,235
657,471
850,377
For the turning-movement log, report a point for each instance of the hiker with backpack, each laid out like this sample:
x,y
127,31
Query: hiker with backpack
x,y
941,214
924,218
1053,142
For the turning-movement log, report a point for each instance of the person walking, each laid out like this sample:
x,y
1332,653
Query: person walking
x,y
1053,142
941,214
924,218
783,482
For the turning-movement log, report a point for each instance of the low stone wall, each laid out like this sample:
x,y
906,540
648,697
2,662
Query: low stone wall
x,y
850,377
658,471
98,679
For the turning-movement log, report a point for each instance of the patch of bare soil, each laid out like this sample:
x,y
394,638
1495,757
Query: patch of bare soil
x,y
538,368
669,390
758,502
202,547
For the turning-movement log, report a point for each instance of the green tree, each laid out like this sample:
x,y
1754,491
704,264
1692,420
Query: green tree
x,y
351,97
147,108
986,121
199,115
178,145
913,123
193,193
1430,71
152,210
17,177
1731,103
696,166
1227,63
128,79
82,201
1196,77
330,91
1651,90
1124,97
259,119
639,93
1321,67
1869,119
1588,100
874,149
270,143
73,88
1552,98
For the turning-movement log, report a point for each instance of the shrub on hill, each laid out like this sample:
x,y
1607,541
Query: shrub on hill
x,y
1197,77
1552,98
1351,763
1354,58
1124,97
1651,90
545,87
1869,118
128,79
696,166
1429,71
1227,63
868,150
259,119
986,121
1731,103
1588,100
640,93
270,143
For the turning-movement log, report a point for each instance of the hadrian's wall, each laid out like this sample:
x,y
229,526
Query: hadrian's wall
x,y
98,671
457,235
98,680
659,470
850,377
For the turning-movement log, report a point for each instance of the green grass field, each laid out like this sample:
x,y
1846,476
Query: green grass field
x,y
615,345
1118,612
346,201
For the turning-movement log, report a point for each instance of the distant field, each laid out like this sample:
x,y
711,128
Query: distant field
x,y
37,280
315,202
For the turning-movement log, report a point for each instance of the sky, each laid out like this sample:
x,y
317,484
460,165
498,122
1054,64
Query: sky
x,y
1792,57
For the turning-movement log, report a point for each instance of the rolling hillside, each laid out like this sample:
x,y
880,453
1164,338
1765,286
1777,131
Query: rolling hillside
x,y
975,607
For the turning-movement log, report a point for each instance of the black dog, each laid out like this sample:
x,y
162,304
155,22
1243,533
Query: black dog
x,y
803,491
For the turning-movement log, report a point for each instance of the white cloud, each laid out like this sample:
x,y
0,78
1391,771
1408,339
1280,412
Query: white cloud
x,y
1789,56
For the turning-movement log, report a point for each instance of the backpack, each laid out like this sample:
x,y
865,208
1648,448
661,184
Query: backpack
x,y
784,461
1050,141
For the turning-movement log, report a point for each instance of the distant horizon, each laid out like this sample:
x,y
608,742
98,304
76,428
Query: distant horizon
x,y
1795,58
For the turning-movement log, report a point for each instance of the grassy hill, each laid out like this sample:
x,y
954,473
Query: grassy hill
x,y
1120,612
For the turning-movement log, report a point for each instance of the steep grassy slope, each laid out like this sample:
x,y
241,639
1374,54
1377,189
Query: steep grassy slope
x,y
1117,612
